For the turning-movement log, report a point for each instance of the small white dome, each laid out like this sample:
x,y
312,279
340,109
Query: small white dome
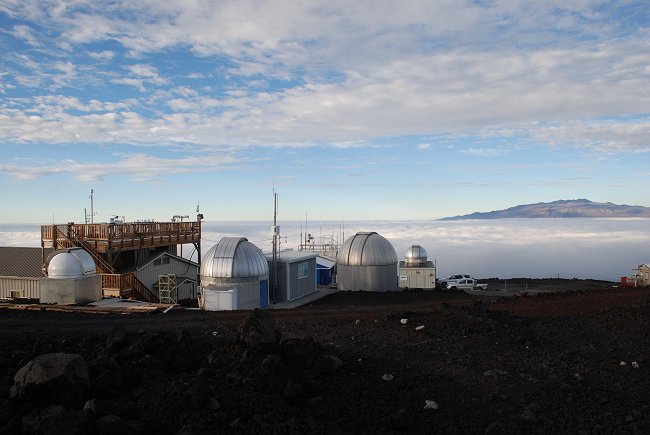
x,y
71,263
416,254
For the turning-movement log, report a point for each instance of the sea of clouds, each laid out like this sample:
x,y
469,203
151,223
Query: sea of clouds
x,y
504,248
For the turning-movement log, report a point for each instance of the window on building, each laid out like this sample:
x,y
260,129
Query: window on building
x,y
161,260
303,270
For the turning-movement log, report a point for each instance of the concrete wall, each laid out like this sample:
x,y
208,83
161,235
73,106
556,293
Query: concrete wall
x,y
367,278
71,291
28,286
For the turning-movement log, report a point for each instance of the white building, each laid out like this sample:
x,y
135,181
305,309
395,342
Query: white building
x,y
71,279
642,275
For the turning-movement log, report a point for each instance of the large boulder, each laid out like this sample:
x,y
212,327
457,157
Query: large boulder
x,y
52,378
258,332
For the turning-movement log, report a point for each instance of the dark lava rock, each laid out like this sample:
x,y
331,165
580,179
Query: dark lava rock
x,y
327,364
301,353
54,420
101,407
117,338
53,378
258,331
114,425
294,393
108,384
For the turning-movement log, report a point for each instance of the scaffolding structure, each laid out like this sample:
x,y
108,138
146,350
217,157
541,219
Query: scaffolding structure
x,y
167,289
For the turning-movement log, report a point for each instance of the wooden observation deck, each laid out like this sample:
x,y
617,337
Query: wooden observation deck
x,y
104,237
105,241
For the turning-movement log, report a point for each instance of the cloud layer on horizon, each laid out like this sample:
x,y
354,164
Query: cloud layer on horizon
x,y
527,248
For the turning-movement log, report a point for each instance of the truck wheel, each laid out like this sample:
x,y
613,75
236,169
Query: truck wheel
x,y
452,288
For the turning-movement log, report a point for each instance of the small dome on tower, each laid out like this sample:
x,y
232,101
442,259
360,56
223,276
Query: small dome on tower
x,y
416,254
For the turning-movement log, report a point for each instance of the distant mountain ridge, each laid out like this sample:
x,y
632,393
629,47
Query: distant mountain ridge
x,y
573,208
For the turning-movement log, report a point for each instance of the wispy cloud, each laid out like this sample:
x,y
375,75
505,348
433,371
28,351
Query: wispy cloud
x,y
484,152
137,167
25,33
102,55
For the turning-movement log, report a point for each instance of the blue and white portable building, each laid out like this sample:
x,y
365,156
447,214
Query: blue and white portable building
x,y
296,274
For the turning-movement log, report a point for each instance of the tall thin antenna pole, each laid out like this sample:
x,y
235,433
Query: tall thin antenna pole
x,y
92,211
275,245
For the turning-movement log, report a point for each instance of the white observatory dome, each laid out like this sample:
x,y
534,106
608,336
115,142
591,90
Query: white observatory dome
x,y
71,263
234,257
416,254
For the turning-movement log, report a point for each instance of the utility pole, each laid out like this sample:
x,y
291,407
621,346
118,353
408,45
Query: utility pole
x,y
92,210
276,232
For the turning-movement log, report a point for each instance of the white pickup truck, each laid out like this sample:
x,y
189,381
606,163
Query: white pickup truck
x,y
453,279
466,284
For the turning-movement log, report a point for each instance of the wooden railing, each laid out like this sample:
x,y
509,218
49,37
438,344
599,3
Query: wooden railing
x,y
128,235
73,239
128,285
112,281
142,292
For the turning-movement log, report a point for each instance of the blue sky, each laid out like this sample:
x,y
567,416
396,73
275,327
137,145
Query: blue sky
x,y
353,110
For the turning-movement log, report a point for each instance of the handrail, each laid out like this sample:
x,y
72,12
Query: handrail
x,y
107,232
143,291
125,282
98,258
72,239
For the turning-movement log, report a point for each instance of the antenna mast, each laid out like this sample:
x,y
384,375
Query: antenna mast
x,y
276,232
92,209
